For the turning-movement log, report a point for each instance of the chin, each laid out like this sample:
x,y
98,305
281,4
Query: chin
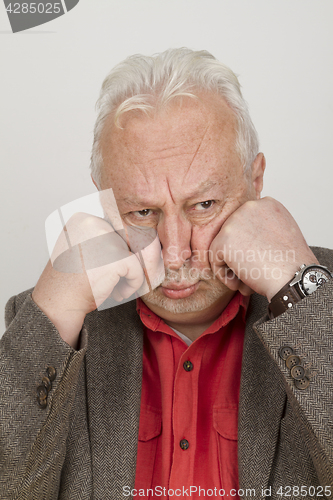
x,y
203,298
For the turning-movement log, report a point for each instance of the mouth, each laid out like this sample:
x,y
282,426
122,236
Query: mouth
x,y
180,291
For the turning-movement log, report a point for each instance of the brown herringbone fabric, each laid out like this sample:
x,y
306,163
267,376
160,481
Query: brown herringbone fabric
x,y
83,445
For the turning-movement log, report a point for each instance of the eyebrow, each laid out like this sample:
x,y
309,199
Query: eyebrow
x,y
201,189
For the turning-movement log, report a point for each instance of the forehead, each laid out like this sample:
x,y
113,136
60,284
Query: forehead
x,y
189,143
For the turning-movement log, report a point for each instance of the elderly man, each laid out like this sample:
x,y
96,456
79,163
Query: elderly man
x,y
197,388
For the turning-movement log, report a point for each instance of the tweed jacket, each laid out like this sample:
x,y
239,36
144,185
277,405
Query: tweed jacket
x,y
83,444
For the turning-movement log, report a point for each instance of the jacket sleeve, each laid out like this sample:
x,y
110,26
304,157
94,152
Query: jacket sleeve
x,y
33,430
307,329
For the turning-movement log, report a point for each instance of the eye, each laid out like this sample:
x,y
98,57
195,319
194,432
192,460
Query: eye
x,y
203,205
143,213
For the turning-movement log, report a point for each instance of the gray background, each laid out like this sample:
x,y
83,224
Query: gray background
x,y
51,76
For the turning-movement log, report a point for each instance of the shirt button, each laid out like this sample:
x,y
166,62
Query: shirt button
x,y
184,444
293,360
188,366
285,351
51,373
297,372
303,383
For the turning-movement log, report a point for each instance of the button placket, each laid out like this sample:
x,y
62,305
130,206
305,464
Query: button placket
x,y
185,422
185,378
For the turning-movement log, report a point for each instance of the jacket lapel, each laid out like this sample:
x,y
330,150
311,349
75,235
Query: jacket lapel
x,y
262,400
114,374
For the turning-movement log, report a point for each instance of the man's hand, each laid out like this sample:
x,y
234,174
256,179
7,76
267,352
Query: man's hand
x,y
259,248
89,262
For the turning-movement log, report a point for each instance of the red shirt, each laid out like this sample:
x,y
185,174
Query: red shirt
x,y
189,413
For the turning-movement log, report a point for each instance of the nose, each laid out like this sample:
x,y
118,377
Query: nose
x,y
175,237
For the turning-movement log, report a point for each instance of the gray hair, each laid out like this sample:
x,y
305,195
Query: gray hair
x,y
147,83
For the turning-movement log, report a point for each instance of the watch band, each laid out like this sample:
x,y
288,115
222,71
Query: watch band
x,y
283,300
302,284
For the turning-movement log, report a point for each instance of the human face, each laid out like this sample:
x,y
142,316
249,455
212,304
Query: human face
x,y
178,172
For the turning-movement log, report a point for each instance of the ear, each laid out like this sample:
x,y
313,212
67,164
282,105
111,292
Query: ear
x,y
94,182
257,174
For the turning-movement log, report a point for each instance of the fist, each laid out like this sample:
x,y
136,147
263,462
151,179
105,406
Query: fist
x,y
259,248
89,263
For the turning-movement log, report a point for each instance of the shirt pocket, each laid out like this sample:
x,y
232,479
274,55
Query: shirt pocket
x,y
225,422
150,429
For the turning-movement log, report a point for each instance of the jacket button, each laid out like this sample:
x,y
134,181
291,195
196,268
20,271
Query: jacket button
x,y
184,444
42,403
41,392
303,383
42,396
51,373
297,372
293,360
188,366
47,383
285,351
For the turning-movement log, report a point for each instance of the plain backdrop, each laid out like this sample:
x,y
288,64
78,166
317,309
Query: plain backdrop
x,y
50,80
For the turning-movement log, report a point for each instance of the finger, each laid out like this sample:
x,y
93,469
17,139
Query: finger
x,y
216,256
220,271
134,273
100,250
245,289
102,282
120,279
232,281
132,277
116,295
228,277
124,289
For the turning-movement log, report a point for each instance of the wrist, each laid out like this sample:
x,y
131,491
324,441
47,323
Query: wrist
x,y
69,325
68,321
306,281
288,272
275,285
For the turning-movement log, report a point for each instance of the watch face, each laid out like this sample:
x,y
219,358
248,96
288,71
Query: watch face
x,y
313,278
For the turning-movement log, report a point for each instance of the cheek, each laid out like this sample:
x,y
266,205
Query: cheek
x,y
202,236
201,240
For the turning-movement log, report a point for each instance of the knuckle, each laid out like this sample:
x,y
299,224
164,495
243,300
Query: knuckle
x,y
251,205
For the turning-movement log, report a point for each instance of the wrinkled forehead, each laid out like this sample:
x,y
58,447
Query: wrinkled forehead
x,y
187,136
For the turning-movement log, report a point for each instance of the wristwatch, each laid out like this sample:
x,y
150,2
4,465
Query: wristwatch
x,y
306,281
